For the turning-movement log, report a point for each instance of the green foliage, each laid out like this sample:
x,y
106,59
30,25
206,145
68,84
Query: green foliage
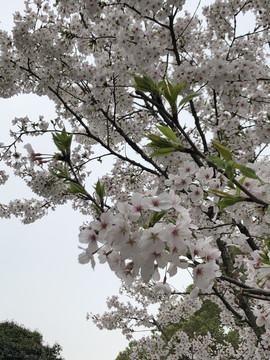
x,y
19,343
158,141
224,152
230,168
63,143
61,173
228,165
164,146
248,172
164,88
167,132
100,190
157,215
187,98
229,201
124,355
145,84
171,93
75,188
217,161
205,320
265,253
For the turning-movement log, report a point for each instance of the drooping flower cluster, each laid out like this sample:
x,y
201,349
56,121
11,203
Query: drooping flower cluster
x,y
134,242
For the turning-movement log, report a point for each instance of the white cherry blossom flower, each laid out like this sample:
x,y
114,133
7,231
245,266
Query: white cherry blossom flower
x,y
196,193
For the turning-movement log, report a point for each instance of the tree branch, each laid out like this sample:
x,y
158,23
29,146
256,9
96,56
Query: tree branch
x,y
198,126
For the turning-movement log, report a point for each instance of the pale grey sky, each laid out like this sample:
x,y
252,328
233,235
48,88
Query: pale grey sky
x,y
42,285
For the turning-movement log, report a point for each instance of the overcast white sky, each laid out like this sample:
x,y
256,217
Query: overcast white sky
x,y
42,285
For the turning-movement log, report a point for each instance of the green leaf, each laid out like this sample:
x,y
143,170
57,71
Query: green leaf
x,y
231,185
58,142
100,190
241,182
163,151
265,261
171,93
216,160
95,207
167,132
187,98
224,152
75,188
157,215
169,86
146,84
229,169
62,173
229,201
63,141
158,141
167,89
176,90
248,172
264,255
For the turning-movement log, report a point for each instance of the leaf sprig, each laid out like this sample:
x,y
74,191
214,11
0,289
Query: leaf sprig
x,y
164,145
163,88
229,166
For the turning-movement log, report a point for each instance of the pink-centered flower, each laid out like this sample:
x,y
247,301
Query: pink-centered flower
x,y
103,225
196,193
204,175
158,203
204,274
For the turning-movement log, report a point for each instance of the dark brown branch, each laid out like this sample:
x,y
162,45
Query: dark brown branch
x,y
250,195
83,20
250,239
227,305
251,318
159,327
233,281
173,37
243,301
198,126
247,289
97,139
226,257
132,144
215,106
145,16
173,122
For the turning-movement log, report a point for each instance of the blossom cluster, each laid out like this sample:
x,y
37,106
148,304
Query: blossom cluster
x,y
132,246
